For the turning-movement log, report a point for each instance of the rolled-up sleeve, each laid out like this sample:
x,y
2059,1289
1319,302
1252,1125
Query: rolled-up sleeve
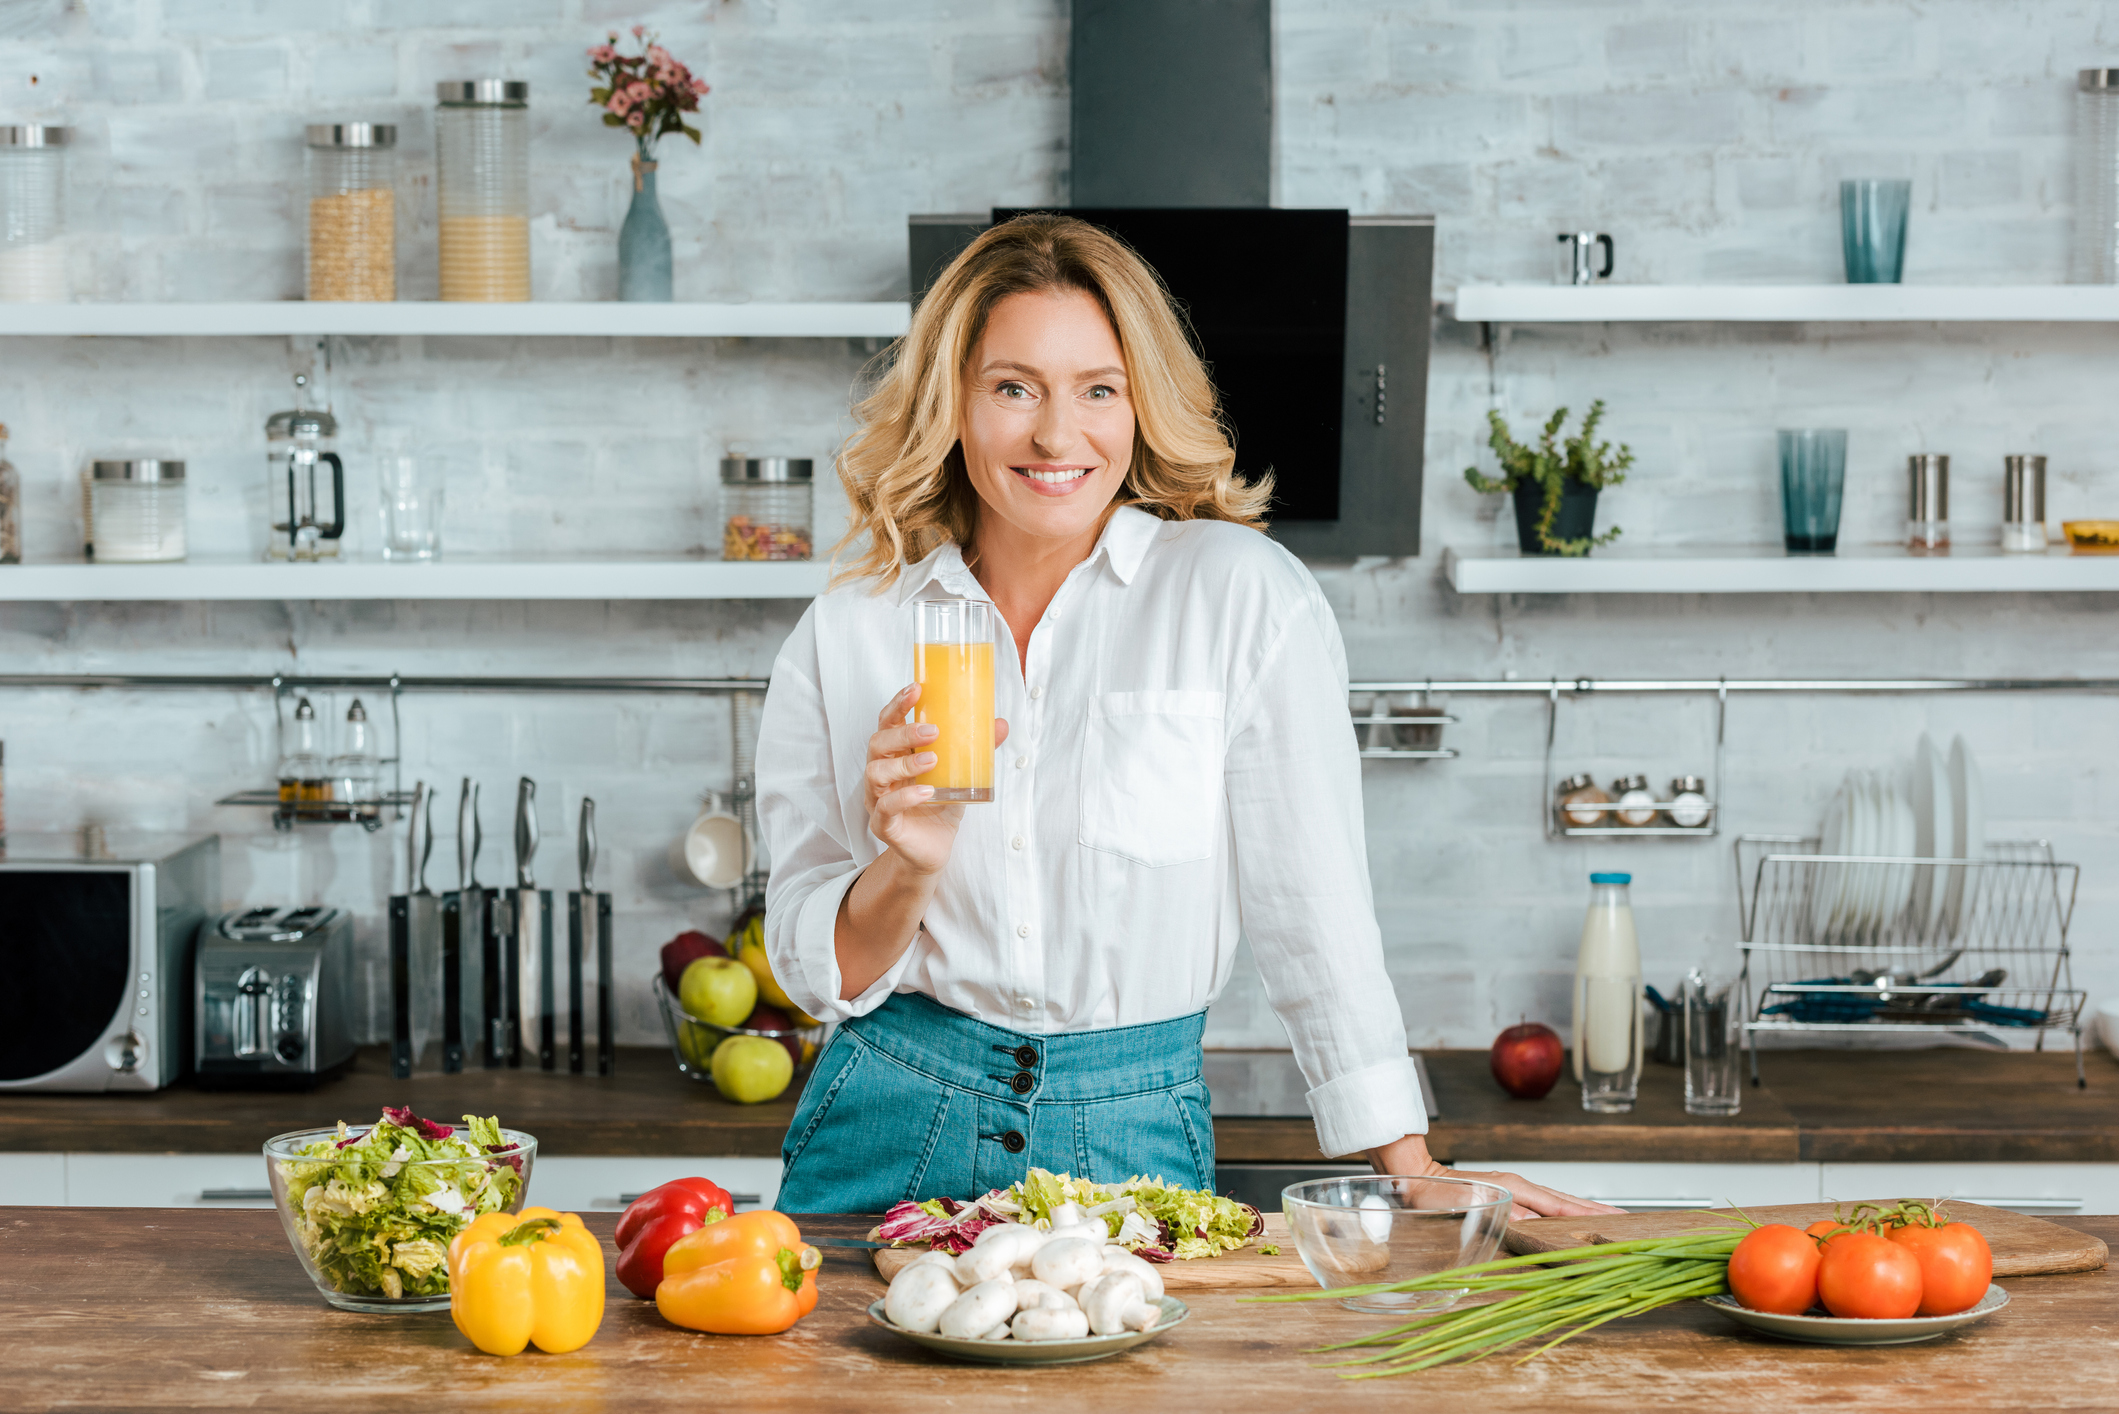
x,y
815,850
1293,777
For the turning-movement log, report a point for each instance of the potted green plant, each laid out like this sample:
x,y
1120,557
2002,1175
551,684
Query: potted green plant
x,y
1555,483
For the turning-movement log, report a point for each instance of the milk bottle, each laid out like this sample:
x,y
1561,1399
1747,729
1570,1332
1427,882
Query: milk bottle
x,y
1607,1009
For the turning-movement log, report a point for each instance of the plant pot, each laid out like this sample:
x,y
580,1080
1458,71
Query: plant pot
x,y
1577,518
644,243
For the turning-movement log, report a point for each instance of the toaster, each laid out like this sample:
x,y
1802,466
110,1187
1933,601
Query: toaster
x,y
271,998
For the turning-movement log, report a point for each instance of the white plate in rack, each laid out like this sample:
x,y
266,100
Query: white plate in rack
x,y
1934,835
1830,881
1968,812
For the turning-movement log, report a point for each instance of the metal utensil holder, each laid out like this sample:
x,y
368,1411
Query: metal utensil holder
x,y
1368,739
2012,909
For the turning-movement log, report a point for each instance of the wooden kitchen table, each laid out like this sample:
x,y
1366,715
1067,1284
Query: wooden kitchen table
x,y
135,1309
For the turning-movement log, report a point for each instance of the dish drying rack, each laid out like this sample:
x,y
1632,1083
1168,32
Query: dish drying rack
x,y
1926,959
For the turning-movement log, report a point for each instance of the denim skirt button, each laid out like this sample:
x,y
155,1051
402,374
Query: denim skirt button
x,y
1014,1143
1026,1056
1022,1082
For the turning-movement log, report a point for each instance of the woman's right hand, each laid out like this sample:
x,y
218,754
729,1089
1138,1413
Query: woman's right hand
x,y
901,813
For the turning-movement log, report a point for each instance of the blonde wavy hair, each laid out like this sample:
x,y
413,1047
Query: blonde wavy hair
x,y
903,469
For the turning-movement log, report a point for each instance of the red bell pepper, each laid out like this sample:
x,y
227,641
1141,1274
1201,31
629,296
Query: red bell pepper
x,y
657,1219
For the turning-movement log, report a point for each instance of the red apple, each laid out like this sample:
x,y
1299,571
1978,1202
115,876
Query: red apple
x,y
682,951
766,1018
1526,1060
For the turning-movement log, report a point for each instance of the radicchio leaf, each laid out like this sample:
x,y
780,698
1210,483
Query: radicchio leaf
x,y
403,1118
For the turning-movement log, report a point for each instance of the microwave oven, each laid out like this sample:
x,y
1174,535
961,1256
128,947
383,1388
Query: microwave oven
x,y
97,936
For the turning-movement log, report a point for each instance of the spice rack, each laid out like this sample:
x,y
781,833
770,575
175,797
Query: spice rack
x,y
1426,721
1582,687
368,814
1813,963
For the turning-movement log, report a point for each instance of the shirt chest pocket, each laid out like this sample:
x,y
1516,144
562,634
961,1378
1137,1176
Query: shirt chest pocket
x,y
1151,776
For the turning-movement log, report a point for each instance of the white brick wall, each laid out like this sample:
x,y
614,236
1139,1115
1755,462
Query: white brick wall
x,y
1708,140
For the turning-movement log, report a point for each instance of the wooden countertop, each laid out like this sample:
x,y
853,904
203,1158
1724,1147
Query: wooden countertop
x,y
143,1309
1838,1106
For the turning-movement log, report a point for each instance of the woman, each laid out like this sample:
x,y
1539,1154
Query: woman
x,y
1024,982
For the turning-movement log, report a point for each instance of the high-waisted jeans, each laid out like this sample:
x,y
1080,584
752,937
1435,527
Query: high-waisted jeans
x,y
917,1101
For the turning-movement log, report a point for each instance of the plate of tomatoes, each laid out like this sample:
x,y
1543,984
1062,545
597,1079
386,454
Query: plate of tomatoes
x,y
1882,1276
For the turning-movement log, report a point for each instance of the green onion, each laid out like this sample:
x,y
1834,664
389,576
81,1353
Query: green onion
x,y
1548,1297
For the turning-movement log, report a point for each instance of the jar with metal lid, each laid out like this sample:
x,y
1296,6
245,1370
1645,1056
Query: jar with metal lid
x,y
33,250
1688,807
766,505
1928,504
2096,233
482,159
1581,804
2023,504
352,243
305,482
1636,807
10,507
137,510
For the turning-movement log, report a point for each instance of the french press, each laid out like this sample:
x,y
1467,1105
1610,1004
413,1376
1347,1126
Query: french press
x,y
298,444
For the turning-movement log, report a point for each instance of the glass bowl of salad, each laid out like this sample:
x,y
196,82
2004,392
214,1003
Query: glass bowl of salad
x,y
370,1211
1360,1232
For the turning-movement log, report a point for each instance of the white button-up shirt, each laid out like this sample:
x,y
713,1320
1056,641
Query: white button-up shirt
x,y
1183,772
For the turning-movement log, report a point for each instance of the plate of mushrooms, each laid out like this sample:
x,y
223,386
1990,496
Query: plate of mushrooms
x,y
1022,1295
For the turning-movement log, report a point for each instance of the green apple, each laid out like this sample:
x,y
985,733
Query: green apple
x,y
696,1044
751,1070
720,990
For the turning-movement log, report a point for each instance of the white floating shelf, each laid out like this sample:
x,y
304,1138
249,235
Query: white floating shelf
x,y
1730,569
1568,304
451,578
880,320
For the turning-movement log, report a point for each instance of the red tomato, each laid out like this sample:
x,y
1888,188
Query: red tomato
x,y
1955,1265
1775,1269
1869,1278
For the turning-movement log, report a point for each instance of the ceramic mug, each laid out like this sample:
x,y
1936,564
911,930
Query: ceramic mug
x,y
714,853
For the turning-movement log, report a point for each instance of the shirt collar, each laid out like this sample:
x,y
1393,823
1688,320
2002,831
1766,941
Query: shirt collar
x,y
1124,544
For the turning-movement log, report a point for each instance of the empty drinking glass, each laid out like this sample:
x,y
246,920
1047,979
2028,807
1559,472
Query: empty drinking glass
x,y
1872,228
1813,472
1713,1085
412,490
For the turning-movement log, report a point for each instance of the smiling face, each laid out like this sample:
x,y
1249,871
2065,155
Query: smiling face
x,y
1047,419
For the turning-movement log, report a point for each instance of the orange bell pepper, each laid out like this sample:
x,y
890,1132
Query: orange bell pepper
x,y
515,1278
747,1275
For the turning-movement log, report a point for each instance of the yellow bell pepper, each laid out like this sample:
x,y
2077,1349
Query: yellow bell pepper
x,y
747,1275
533,1276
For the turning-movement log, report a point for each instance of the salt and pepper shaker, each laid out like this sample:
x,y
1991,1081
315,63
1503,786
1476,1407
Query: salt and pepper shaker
x,y
2023,504
1928,516
1636,806
1688,806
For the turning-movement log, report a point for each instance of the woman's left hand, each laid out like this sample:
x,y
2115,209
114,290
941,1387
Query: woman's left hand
x,y
1409,1156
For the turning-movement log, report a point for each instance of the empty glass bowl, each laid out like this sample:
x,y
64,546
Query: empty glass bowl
x,y
1366,1231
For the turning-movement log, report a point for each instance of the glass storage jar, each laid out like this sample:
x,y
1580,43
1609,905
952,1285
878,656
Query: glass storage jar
x,y
10,506
482,156
766,505
1580,804
138,509
352,248
2097,176
33,253
1636,808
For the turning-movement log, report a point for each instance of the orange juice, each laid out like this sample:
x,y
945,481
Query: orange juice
x,y
956,694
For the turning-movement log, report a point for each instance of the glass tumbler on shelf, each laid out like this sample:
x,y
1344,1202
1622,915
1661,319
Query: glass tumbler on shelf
x,y
953,665
1713,1043
765,505
2096,234
412,493
137,510
482,157
1813,474
1872,228
33,254
352,232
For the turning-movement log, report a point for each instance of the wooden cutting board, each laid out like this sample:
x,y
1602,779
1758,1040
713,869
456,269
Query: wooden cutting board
x,y
1245,1267
2023,1246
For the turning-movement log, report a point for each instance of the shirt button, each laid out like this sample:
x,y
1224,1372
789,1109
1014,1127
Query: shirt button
x,y
1026,1003
1021,762
1022,930
1051,613
1017,842
1036,692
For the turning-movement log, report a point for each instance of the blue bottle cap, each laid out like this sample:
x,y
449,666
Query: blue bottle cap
x,y
1611,878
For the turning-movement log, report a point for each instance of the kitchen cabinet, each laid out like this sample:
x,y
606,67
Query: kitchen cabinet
x,y
2037,1189
1786,304
2042,1189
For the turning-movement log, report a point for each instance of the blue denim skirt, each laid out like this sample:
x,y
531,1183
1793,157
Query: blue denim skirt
x,y
917,1101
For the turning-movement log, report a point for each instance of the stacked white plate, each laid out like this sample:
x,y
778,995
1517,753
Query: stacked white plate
x,y
1935,811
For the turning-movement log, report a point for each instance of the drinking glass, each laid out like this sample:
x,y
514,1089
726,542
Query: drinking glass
x,y
412,490
953,664
1872,228
1813,472
1713,1085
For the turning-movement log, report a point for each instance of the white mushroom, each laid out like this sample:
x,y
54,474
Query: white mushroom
x,y
1118,1259
996,1250
999,1332
935,1259
1094,1229
1067,1214
979,1310
1116,1302
1067,1262
1031,1294
919,1295
1375,1218
1050,1323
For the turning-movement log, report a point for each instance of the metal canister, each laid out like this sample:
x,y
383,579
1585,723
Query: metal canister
x,y
1928,495
2023,504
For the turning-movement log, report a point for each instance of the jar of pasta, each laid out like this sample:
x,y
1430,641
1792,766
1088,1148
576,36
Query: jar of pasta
x,y
482,157
766,502
352,246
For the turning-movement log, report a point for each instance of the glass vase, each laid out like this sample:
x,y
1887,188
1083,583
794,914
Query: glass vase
x,y
644,243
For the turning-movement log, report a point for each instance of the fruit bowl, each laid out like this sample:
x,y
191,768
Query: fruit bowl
x,y
694,1042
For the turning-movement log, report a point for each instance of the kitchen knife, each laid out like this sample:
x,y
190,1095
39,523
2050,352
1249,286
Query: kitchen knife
x,y
533,935
606,1006
581,935
401,946
859,1244
452,942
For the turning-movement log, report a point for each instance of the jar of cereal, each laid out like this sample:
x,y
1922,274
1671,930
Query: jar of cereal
x,y
766,502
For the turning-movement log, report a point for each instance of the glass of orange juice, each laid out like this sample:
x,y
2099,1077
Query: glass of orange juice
x,y
953,664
